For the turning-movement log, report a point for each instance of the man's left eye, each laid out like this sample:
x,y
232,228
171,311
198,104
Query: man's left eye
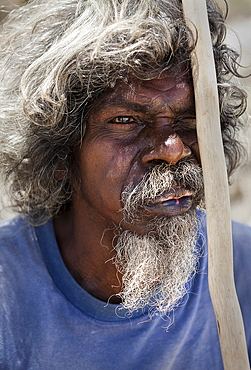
x,y
123,119
185,124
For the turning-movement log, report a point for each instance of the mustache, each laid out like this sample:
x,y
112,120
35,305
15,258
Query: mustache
x,y
164,180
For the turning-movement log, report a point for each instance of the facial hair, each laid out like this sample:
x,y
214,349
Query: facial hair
x,y
157,267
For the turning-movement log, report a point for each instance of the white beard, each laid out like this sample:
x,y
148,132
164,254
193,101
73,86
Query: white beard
x,y
157,268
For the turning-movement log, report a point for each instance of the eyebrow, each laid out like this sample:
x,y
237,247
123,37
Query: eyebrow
x,y
146,108
190,112
142,108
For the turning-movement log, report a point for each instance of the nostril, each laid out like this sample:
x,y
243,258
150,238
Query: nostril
x,y
187,151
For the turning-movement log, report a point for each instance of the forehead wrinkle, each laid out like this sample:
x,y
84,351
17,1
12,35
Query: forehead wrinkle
x,y
158,104
145,104
136,100
146,107
157,84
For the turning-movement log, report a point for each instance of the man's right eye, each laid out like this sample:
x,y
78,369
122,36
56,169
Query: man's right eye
x,y
123,120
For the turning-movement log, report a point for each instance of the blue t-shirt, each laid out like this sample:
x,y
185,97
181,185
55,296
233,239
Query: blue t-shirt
x,y
49,322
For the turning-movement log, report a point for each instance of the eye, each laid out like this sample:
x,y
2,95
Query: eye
x,y
187,124
123,119
128,124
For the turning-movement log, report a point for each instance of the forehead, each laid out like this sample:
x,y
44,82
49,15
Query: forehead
x,y
150,96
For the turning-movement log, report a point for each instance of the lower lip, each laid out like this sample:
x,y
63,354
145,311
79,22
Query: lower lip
x,y
171,207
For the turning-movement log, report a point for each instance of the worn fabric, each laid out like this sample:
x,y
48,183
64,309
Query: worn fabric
x,y
49,322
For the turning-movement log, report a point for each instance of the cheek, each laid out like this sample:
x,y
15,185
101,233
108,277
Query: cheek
x,y
105,166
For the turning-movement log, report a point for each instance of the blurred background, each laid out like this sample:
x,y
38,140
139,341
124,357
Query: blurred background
x,y
239,32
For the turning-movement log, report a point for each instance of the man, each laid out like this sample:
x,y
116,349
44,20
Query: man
x,y
107,267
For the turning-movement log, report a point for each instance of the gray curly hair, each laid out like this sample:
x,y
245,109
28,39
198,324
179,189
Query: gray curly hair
x,y
57,57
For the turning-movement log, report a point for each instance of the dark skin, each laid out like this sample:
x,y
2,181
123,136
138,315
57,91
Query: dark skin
x,y
130,128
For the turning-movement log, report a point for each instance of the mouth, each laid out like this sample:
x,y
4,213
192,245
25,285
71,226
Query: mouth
x,y
173,203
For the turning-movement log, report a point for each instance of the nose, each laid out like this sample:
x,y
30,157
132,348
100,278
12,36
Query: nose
x,y
170,150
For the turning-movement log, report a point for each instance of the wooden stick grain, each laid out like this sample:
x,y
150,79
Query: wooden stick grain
x,y
220,254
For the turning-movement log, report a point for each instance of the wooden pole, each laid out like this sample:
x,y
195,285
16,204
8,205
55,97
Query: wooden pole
x,y
220,251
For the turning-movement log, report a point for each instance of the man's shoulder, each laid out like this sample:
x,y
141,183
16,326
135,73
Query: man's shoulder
x,y
21,263
241,231
12,230
11,224
241,239
17,240
242,268
242,248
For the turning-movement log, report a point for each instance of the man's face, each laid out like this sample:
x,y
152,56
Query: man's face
x,y
130,129
140,184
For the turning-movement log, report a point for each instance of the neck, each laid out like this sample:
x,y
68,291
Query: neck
x,y
86,249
